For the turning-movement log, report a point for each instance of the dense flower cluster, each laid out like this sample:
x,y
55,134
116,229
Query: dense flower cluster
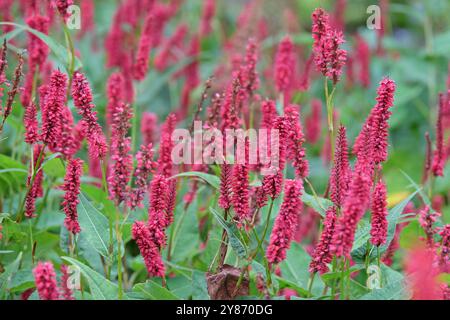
x,y
322,253
82,98
45,278
72,188
120,154
285,222
379,215
341,171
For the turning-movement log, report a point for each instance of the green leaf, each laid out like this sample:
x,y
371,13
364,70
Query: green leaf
x,y
394,217
150,290
199,286
186,225
296,269
54,168
233,234
363,232
209,178
320,205
22,281
8,274
13,176
94,226
101,288
61,52
394,287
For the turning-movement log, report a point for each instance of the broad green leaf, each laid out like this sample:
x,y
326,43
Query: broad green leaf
x,y
199,286
13,176
394,287
22,281
150,290
61,52
363,232
101,288
8,274
233,234
209,178
295,268
94,226
186,237
54,168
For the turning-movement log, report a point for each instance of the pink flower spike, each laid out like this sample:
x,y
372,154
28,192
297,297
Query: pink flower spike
x,y
286,222
353,209
284,64
31,124
45,279
439,154
52,110
379,221
158,219
66,292
165,164
149,129
336,57
295,139
148,249
427,218
225,186
422,274
320,30
82,98
145,166
313,124
115,93
373,137
72,188
120,154
341,171
209,9
145,45
240,197
322,253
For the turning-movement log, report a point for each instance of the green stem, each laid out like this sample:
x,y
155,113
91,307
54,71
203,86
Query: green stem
x,y
316,197
342,293
119,255
266,227
330,115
